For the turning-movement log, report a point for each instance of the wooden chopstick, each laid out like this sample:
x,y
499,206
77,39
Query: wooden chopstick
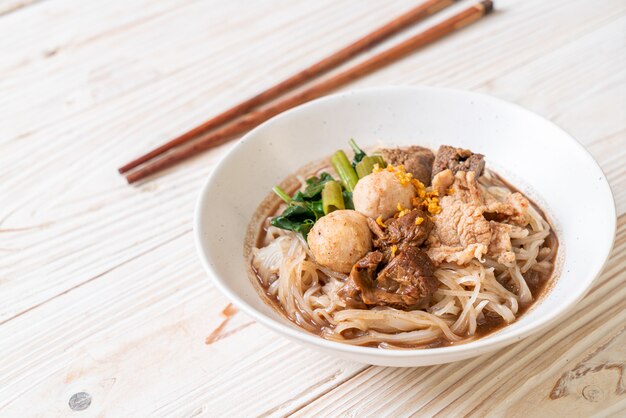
x,y
255,118
368,41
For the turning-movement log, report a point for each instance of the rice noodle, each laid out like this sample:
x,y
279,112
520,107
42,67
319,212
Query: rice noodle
x,y
466,296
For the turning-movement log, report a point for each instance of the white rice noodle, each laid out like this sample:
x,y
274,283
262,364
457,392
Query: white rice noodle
x,y
410,338
390,320
537,223
445,306
523,291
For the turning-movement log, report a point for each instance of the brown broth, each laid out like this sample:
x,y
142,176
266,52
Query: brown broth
x,y
537,282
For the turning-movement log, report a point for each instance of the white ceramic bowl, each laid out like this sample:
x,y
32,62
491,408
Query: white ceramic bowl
x,y
534,154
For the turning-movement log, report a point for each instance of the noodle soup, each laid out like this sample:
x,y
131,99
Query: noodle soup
x,y
401,249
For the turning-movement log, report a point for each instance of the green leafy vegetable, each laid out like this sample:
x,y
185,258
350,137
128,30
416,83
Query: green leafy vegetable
x,y
347,200
315,185
359,154
365,167
346,172
332,197
297,218
304,208
378,159
282,194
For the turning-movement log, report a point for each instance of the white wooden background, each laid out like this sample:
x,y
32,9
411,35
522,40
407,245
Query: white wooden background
x,y
100,288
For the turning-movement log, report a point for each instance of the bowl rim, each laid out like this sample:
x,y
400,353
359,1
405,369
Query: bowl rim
x,y
481,345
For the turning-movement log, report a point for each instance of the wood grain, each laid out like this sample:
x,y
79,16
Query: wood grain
x,y
100,287
9,6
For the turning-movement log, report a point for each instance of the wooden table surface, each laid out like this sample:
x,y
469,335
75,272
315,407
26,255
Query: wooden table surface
x,y
103,302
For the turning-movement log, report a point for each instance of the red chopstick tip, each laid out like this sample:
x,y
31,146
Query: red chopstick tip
x,y
488,6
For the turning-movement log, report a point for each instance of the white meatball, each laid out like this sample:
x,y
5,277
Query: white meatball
x,y
378,194
340,239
